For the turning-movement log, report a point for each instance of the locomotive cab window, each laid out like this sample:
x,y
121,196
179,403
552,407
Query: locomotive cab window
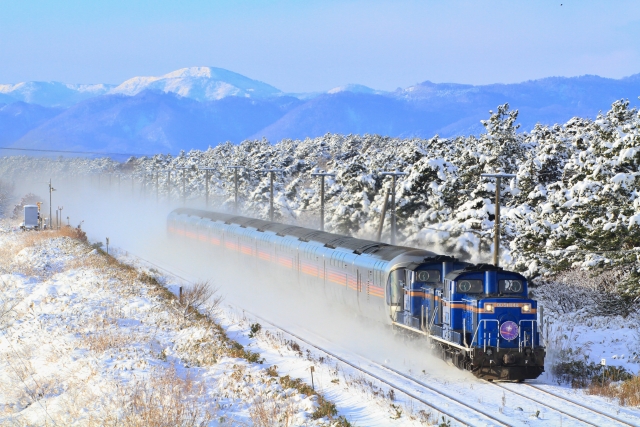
x,y
466,286
430,276
510,286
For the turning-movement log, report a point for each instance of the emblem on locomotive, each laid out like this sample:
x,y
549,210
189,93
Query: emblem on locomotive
x,y
509,330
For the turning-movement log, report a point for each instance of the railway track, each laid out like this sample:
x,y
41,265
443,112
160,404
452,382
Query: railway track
x,y
562,411
413,395
573,402
428,389
401,389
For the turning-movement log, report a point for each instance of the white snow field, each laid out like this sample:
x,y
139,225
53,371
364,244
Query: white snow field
x,y
86,341
89,341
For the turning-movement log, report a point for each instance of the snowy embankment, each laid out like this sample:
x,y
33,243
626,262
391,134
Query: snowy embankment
x,y
87,340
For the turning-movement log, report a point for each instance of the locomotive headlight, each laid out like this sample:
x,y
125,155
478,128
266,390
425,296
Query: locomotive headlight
x,y
488,308
526,308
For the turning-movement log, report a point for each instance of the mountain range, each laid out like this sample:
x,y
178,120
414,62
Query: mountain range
x,y
198,107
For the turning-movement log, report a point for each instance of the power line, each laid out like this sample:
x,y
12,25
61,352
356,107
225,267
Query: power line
x,y
74,152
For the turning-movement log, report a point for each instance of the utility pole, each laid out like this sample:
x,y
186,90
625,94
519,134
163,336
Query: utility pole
x,y
184,183
59,217
51,190
169,186
322,174
271,173
206,184
235,183
393,202
496,216
382,214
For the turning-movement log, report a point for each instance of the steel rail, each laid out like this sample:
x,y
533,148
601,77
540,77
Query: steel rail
x,y
611,417
388,383
371,374
544,404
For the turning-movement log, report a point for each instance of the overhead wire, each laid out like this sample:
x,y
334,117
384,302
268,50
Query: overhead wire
x,y
74,151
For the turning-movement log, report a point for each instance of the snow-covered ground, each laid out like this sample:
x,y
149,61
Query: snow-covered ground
x,y
87,340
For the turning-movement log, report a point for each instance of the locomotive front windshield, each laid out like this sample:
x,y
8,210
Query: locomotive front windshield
x,y
470,286
431,276
510,286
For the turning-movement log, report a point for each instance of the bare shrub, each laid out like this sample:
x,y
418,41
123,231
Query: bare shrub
x,y
27,199
199,298
267,411
25,386
7,305
162,400
627,392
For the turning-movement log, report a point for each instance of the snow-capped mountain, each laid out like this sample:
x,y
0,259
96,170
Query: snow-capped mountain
x,y
201,106
356,89
201,84
52,94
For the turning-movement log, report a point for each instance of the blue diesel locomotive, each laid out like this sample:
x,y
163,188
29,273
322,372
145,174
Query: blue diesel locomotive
x,y
478,317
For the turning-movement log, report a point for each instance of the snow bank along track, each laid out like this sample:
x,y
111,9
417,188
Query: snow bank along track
x,y
600,419
401,389
595,422
395,386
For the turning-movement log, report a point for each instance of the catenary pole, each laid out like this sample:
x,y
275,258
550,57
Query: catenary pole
x,y
393,175
184,183
235,184
271,174
206,184
51,190
496,234
322,175
169,186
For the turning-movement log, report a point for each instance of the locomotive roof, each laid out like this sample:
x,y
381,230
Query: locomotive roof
x,y
359,246
453,275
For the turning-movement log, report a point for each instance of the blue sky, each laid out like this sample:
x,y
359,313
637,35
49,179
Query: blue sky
x,y
308,45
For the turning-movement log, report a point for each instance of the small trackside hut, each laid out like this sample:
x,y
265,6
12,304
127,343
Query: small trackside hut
x,y
31,219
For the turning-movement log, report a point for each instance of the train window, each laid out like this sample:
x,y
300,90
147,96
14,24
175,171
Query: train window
x,y
431,276
510,286
470,286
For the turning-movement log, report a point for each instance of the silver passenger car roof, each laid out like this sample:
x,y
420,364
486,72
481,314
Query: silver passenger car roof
x,y
379,250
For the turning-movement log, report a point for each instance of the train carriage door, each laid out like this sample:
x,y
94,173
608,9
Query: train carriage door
x,y
395,292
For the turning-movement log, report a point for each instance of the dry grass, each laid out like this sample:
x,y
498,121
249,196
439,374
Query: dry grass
x,y
108,337
627,392
268,411
30,239
25,386
8,305
164,399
